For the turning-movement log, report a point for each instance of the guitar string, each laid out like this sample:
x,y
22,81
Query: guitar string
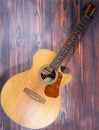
x,y
81,22
39,82
72,39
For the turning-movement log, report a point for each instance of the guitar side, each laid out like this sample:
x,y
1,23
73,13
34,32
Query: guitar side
x,y
23,109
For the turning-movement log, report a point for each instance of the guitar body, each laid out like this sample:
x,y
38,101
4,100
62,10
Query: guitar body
x,y
21,107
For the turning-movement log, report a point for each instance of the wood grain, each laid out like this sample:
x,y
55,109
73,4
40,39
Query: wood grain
x,y
29,25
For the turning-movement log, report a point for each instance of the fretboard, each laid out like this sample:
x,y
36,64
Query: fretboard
x,y
55,64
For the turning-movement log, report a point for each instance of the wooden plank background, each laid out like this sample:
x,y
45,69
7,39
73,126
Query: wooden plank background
x,y
29,25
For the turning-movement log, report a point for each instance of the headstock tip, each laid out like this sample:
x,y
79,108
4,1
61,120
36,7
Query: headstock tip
x,y
92,6
89,10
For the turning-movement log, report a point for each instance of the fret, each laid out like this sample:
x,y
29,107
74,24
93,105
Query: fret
x,y
68,40
79,26
62,54
64,51
69,43
58,61
67,46
72,41
54,65
86,16
76,31
83,20
82,24
73,38
80,29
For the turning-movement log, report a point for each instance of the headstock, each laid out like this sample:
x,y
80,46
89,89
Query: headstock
x,y
89,11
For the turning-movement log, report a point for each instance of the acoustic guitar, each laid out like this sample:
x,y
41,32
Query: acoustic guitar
x,y
32,98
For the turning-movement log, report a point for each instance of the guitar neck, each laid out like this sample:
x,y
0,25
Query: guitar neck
x,y
55,64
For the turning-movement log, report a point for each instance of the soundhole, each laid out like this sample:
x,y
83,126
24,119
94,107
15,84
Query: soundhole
x,y
48,74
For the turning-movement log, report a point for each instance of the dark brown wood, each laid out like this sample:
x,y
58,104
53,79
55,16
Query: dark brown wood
x,y
29,25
